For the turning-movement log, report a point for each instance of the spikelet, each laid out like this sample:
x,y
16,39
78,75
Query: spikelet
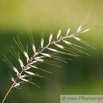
x,y
42,42
68,31
50,38
58,34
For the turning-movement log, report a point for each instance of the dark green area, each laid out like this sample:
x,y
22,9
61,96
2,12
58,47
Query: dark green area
x,y
81,75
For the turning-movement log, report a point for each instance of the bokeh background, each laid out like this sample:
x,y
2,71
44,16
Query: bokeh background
x,y
81,75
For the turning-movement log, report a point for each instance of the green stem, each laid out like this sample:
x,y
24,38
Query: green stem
x,y
7,93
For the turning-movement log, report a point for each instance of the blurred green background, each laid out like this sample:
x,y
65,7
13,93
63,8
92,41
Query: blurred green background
x,y
82,75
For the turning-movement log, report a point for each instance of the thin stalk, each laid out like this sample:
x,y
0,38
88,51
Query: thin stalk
x,y
13,84
7,93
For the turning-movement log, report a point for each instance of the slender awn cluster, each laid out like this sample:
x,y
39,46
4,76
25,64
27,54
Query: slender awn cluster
x,y
39,56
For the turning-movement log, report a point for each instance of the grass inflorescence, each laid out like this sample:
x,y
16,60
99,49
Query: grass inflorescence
x,y
39,56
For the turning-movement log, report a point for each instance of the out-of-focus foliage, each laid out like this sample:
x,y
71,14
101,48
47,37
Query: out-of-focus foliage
x,y
17,14
83,75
